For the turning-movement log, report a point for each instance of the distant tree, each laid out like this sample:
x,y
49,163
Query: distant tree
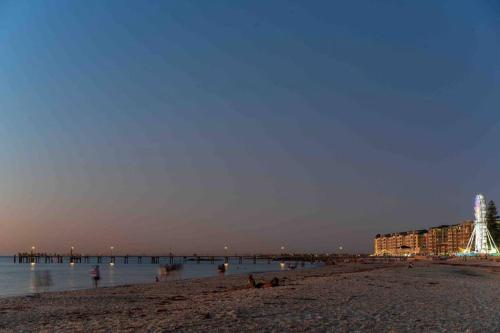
x,y
492,221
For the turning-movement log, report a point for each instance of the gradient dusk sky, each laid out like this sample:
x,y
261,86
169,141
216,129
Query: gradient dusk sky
x,y
190,125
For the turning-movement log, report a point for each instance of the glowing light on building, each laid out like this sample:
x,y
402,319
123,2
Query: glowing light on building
x,y
480,241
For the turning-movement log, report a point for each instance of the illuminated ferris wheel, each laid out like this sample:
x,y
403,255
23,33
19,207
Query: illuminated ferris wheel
x,y
480,241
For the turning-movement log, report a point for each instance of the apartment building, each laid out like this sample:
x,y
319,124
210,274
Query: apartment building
x,y
459,235
440,240
400,243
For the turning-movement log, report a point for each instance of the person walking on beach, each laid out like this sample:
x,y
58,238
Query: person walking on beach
x,y
42,281
95,274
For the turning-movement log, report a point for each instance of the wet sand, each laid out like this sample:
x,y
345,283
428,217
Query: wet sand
x,y
430,297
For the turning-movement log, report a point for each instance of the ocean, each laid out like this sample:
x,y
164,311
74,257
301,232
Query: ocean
x,y
24,279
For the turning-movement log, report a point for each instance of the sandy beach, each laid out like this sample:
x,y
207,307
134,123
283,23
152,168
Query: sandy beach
x,y
430,297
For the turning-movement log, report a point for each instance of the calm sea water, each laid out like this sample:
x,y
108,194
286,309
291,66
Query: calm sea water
x,y
20,279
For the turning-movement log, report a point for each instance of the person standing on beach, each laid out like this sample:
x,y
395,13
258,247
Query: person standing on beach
x,y
95,275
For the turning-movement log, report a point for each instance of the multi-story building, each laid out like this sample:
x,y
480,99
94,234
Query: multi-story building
x,y
459,235
380,244
416,240
400,243
439,240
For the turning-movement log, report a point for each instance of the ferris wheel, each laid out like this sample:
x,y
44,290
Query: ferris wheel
x,y
480,241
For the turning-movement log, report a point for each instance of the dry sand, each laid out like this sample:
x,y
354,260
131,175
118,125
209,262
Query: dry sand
x,y
343,298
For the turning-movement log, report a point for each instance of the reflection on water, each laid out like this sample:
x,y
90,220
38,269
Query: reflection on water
x,y
19,279
111,274
72,284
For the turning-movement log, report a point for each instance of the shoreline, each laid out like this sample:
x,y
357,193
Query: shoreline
x,y
176,281
22,280
344,297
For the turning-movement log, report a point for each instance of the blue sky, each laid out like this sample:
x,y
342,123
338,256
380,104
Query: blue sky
x,y
194,124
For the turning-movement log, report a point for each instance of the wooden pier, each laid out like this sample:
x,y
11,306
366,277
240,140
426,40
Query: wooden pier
x,y
42,258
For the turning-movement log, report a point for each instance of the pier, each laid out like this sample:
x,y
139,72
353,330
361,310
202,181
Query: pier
x,y
43,258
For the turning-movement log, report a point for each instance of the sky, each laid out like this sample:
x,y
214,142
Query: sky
x,y
187,126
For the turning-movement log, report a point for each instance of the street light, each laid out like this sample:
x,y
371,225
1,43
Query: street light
x,y
282,263
32,255
71,251
112,262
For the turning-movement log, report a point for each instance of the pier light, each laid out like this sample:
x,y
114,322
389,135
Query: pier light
x,y
112,263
